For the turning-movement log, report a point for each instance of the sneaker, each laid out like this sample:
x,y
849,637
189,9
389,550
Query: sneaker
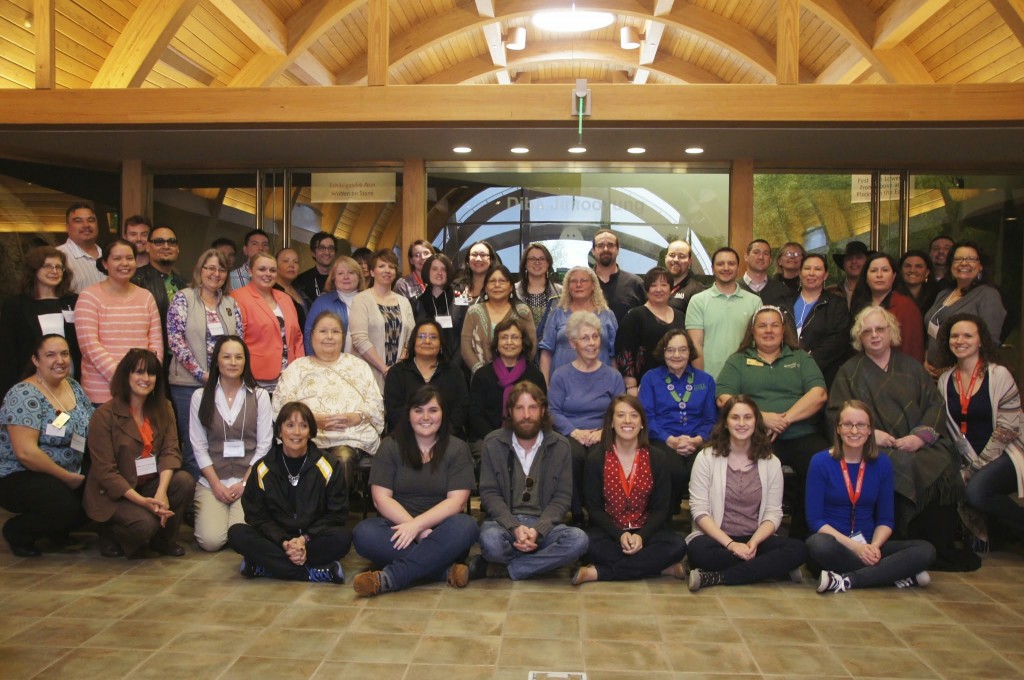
x,y
695,575
831,582
367,584
920,580
458,576
251,569
331,573
796,575
478,567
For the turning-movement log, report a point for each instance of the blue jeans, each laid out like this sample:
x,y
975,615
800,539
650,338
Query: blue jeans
x,y
181,397
900,559
561,546
430,558
989,489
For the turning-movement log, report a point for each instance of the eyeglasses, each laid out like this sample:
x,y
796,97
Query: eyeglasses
x,y
526,489
671,351
536,260
210,269
53,267
792,253
479,256
971,259
164,241
853,427
427,336
497,282
326,249
606,246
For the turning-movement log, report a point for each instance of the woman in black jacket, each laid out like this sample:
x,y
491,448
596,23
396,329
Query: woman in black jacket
x,y
822,319
296,506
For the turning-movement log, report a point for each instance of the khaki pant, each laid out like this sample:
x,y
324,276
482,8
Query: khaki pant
x,y
213,519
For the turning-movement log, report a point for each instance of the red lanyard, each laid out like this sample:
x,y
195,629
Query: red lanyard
x,y
965,397
854,495
419,281
627,481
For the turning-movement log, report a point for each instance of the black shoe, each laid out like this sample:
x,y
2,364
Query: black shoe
x,y
110,548
25,550
477,568
167,548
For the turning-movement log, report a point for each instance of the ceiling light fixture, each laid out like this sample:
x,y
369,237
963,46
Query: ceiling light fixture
x,y
516,38
636,149
571,20
628,38
577,149
693,150
462,149
519,149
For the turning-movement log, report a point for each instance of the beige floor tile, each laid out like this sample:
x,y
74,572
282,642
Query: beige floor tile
x,y
457,650
475,599
35,604
451,672
720,658
249,667
270,590
71,583
973,613
87,663
599,674
626,656
179,609
130,584
957,591
554,602
903,607
100,606
1006,593
18,662
772,631
546,626
597,603
293,643
622,628
856,634
1000,637
537,654
13,582
980,664
469,623
686,631
182,664
936,636
216,641
795,660
760,608
56,632
316,617
717,676
247,614
12,625
139,635
333,670
698,605
392,621
872,662
374,648
414,598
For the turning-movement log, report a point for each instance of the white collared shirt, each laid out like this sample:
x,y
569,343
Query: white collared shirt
x,y
198,435
756,286
526,457
82,266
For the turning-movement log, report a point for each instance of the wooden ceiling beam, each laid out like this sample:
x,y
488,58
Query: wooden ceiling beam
x,y
389,233
651,40
258,22
365,221
495,45
902,18
378,35
662,7
856,23
787,42
844,69
45,43
145,37
311,70
1012,12
304,28
453,106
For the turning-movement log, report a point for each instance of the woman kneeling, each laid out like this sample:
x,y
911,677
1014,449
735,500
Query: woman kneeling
x,y
420,482
736,504
850,502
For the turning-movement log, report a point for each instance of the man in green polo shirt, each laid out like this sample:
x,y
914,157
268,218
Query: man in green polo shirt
x,y
718,317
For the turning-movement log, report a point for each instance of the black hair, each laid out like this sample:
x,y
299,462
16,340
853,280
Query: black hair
x,y
406,439
207,404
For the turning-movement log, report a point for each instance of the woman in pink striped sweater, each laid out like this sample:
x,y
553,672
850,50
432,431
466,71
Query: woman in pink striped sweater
x,y
112,317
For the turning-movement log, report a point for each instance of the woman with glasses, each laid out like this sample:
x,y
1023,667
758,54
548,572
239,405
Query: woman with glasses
x,y
413,284
972,295
439,302
196,319
850,509
537,287
344,281
44,305
491,385
380,320
876,286
581,293
908,419
499,302
469,285
270,324
428,365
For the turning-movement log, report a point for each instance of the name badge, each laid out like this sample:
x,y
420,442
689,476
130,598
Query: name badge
x,y
444,321
462,301
216,329
61,420
78,443
858,538
754,362
933,329
69,315
51,324
145,466
234,449
53,431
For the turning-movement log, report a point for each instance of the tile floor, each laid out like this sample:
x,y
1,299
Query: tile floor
x,y
81,616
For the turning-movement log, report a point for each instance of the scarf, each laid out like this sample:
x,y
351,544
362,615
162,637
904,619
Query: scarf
x,y
507,377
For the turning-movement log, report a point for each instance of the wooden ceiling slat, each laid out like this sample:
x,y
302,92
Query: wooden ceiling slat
x,y
13,76
964,46
202,38
17,36
948,20
962,67
222,30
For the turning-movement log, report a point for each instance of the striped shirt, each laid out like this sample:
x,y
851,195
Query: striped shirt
x,y
110,325
82,266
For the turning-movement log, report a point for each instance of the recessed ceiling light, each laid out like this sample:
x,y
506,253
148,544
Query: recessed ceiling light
x,y
577,149
519,149
636,149
462,149
694,150
572,21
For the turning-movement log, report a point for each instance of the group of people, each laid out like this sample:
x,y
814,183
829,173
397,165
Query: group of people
x,y
605,400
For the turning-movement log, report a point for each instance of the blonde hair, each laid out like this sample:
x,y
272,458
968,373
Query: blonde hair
x,y
597,297
858,326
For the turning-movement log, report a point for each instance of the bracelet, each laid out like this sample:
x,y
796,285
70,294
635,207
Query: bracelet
x,y
728,544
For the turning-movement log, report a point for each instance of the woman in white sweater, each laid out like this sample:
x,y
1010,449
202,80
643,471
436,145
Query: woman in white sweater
x,y
380,320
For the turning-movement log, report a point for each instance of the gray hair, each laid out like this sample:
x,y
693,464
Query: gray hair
x,y
577,320
858,326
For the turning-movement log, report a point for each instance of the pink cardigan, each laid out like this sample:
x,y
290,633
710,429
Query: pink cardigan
x,y
263,334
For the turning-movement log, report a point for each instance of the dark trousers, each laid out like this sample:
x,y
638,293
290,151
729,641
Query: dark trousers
x,y
900,559
579,457
679,467
797,454
327,547
133,526
663,549
776,557
45,507
989,489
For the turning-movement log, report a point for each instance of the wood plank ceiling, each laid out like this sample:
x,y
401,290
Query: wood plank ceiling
x,y
265,43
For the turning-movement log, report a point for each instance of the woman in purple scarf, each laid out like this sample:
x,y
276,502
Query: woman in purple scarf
x,y
511,348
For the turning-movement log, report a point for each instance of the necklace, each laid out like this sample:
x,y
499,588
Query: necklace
x,y
687,392
293,479
63,409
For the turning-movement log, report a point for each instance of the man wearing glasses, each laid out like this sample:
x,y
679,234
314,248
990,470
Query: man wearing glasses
x,y
622,290
159,277
311,283
788,263
525,491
